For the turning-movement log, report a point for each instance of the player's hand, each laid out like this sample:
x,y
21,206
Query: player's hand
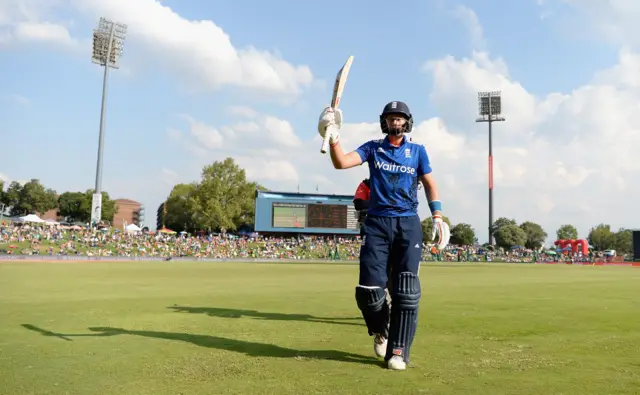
x,y
330,121
440,229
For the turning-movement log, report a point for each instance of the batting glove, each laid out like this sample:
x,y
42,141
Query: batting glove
x,y
330,121
440,229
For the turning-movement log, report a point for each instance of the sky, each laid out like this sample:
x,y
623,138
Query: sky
x,y
200,81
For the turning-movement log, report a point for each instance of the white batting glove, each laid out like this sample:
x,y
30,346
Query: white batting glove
x,y
440,229
330,121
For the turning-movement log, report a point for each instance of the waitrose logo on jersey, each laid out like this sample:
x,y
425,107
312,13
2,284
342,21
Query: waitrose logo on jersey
x,y
392,167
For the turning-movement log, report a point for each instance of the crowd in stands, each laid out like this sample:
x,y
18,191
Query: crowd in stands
x,y
27,239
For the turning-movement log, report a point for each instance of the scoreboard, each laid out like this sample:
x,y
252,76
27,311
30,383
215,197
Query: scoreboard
x,y
305,213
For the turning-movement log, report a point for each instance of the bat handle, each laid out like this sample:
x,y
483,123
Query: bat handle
x,y
325,144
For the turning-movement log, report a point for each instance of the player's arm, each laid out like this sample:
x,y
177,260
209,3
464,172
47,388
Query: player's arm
x,y
341,160
431,192
425,174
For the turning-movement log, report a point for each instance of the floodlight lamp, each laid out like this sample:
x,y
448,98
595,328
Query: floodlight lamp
x,y
490,105
108,32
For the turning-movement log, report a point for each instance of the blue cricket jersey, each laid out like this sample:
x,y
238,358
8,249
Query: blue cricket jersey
x,y
394,173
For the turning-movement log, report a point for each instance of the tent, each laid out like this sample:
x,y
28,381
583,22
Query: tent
x,y
132,228
30,218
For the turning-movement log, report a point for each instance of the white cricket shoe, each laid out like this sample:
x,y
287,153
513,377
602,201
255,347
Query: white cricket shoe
x,y
396,363
380,345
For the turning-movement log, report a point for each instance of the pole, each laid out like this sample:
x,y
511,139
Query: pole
x,y
103,111
487,115
490,175
490,186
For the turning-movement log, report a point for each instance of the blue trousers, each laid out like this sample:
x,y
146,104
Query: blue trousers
x,y
394,241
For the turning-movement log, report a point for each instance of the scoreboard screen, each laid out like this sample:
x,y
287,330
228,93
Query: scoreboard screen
x,y
289,215
311,215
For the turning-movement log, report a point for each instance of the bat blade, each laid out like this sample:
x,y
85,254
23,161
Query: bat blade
x,y
338,88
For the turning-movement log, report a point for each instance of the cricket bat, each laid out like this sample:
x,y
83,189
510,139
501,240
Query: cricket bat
x,y
338,88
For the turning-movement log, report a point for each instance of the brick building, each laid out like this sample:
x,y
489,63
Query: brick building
x,y
129,212
52,215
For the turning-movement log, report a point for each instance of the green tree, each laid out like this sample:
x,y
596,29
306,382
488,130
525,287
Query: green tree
x,y
71,206
463,234
567,232
76,206
11,197
535,235
30,198
179,214
510,235
623,241
601,237
502,221
427,224
223,198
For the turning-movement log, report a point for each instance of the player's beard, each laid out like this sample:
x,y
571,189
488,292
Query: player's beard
x,y
395,131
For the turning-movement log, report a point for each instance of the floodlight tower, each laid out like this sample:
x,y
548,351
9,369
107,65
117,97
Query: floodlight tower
x,y
490,110
108,44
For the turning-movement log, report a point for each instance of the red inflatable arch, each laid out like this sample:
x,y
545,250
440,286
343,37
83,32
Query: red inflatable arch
x,y
580,245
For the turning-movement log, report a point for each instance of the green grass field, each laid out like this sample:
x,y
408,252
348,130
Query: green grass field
x,y
246,328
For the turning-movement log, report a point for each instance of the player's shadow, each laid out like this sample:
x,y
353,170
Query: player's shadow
x,y
239,313
252,349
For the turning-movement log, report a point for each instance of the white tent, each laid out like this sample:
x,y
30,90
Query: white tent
x,y
132,228
30,218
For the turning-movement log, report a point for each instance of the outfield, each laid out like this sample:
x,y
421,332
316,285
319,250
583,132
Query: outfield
x,y
252,328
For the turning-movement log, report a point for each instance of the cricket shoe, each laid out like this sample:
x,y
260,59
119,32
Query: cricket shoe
x,y
396,363
380,345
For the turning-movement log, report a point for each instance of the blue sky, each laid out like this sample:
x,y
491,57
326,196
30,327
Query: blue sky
x,y
204,80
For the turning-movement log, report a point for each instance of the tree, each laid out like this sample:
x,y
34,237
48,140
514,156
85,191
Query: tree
x,y
178,215
567,232
601,237
30,198
76,206
623,241
535,235
463,234
223,198
502,221
427,224
510,235
71,206
11,197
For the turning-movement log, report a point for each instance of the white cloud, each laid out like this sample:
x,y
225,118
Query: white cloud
x,y
566,157
27,21
615,21
168,176
242,111
15,99
198,52
470,20
44,32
